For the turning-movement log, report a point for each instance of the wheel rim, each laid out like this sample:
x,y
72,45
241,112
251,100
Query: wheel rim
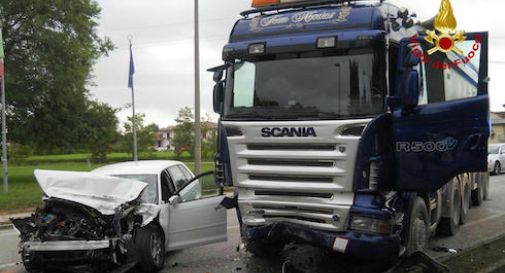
x,y
156,247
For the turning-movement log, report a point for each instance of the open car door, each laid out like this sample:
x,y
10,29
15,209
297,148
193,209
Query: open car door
x,y
444,133
195,220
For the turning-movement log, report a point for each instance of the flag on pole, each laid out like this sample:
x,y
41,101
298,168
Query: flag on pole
x,y
132,69
2,55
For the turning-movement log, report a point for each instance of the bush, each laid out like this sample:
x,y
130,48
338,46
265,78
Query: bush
x,y
18,153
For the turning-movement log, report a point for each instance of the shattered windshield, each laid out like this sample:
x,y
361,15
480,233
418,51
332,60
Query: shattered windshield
x,y
150,194
328,87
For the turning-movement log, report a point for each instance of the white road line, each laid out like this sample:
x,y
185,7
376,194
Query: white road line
x,y
484,220
9,265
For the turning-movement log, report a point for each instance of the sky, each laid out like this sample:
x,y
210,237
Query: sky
x,y
162,32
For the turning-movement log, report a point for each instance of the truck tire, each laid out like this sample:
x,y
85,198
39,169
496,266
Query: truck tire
x,y
419,227
465,202
485,194
262,249
150,243
449,226
478,195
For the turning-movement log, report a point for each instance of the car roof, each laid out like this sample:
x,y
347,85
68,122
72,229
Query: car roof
x,y
137,167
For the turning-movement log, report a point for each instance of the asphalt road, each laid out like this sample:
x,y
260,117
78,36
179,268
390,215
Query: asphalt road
x,y
484,224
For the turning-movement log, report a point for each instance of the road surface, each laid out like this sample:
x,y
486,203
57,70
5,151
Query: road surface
x,y
484,224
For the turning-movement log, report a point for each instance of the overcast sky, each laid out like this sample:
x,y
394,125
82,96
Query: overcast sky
x,y
163,49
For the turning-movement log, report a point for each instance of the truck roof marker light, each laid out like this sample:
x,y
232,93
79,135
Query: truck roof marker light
x,y
264,3
256,48
326,42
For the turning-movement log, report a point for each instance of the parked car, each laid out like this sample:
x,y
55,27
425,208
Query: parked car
x,y
496,158
119,214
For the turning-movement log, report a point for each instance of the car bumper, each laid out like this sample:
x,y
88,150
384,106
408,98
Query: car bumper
x,y
373,247
68,252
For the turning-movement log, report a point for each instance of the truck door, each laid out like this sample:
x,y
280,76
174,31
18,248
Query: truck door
x,y
444,132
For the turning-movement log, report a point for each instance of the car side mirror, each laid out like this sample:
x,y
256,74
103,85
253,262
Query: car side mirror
x,y
174,199
410,91
218,97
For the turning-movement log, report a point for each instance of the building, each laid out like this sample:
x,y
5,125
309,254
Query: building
x,y
165,136
498,130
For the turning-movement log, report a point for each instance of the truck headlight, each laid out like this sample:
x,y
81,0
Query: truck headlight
x,y
371,225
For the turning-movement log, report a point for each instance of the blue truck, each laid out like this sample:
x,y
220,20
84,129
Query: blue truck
x,y
351,126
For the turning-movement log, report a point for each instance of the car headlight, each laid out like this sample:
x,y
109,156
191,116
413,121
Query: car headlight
x,y
371,225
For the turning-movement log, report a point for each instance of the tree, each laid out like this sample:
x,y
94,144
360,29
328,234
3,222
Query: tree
x,y
146,135
184,139
209,141
50,48
99,131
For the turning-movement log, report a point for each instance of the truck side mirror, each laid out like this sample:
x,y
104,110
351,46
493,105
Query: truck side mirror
x,y
218,75
410,91
218,97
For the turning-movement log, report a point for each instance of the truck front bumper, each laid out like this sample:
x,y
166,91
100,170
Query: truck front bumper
x,y
372,247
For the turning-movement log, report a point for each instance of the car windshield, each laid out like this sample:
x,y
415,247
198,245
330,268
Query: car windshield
x,y
492,150
329,87
150,195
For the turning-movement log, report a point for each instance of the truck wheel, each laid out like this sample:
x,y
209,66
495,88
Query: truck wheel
x,y
150,244
497,168
449,226
478,195
263,250
466,202
485,194
419,227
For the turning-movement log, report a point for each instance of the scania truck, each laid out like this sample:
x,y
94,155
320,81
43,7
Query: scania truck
x,y
351,126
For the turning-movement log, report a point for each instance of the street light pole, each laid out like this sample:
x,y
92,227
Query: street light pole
x,y
131,85
198,130
4,137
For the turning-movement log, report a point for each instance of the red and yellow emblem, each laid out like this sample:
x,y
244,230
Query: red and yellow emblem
x,y
448,37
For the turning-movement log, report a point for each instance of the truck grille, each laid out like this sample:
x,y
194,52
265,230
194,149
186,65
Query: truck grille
x,y
301,180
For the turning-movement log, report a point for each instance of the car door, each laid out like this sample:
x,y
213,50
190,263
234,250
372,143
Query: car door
x,y
194,220
446,134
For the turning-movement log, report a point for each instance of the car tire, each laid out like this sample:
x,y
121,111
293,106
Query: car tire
x,y
262,249
449,226
419,227
150,244
465,202
497,168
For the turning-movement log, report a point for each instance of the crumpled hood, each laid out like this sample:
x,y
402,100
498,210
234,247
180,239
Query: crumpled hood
x,y
103,193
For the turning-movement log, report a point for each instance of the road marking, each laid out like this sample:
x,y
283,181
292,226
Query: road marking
x,y
9,265
484,219
233,227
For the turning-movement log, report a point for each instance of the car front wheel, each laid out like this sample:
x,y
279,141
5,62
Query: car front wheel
x,y
150,243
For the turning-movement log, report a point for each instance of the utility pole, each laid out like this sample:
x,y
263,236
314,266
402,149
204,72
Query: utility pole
x,y
4,122
198,129
131,85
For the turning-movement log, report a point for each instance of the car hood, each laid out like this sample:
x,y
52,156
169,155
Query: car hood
x,y
103,193
492,157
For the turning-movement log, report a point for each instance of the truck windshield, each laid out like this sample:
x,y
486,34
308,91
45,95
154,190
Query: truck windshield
x,y
330,87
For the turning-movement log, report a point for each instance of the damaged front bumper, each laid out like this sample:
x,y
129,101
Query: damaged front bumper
x,y
66,245
367,246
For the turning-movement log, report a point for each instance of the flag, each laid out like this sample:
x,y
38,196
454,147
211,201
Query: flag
x,y
132,69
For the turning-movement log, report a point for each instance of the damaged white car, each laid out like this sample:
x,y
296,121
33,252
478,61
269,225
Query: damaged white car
x,y
109,217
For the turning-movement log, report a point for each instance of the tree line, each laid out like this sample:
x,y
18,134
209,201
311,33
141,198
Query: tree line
x,y
50,49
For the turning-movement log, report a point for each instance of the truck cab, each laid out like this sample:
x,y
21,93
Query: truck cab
x,y
338,129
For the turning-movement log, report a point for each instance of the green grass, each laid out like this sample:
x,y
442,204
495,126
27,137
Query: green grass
x,y
24,192
112,157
